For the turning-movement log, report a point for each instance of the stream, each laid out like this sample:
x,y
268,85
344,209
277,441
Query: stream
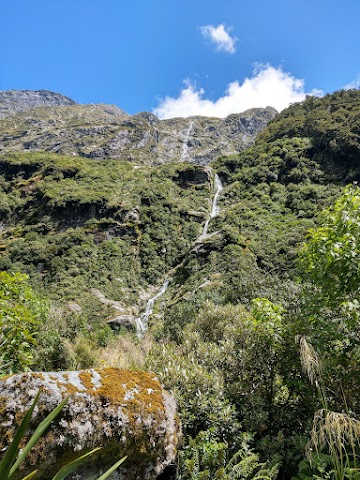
x,y
143,321
185,148
215,210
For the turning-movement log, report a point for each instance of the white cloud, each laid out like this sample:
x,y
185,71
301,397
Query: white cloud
x,y
220,36
354,84
269,86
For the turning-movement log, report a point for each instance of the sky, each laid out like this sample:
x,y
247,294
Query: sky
x,y
181,57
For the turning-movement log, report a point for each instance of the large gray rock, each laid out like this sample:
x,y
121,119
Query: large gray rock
x,y
124,412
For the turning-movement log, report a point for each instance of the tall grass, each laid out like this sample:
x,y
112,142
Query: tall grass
x,y
337,433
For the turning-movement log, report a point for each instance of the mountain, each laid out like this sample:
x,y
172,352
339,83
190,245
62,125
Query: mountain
x,y
203,254
76,223
13,101
43,121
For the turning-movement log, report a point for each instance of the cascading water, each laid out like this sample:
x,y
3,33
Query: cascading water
x,y
215,210
185,148
143,321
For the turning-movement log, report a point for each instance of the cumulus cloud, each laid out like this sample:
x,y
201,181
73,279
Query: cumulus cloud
x,y
354,84
220,37
269,86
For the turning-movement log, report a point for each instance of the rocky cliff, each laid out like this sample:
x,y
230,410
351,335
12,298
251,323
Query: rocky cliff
x,y
125,413
13,101
58,125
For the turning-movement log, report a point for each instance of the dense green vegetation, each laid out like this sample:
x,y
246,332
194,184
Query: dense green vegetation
x,y
238,297
22,313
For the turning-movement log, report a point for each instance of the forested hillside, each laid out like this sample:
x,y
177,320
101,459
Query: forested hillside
x,y
256,330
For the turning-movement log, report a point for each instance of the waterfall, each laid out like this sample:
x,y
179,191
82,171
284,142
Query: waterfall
x,y
218,188
185,148
143,320
215,209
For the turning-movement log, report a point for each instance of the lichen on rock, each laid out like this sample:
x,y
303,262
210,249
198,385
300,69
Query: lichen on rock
x,y
124,412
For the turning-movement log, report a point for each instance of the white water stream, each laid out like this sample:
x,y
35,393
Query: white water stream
x,y
215,210
185,148
142,322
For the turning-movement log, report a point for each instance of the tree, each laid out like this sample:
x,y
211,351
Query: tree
x,y
331,263
331,256
21,312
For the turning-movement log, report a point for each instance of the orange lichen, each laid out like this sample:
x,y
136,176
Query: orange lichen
x,y
116,383
70,388
127,415
146,394
85,378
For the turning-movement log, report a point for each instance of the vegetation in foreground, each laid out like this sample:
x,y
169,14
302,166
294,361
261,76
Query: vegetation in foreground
x,y
14,456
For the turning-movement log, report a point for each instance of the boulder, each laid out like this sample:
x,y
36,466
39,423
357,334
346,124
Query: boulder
x,y
124,412
125,321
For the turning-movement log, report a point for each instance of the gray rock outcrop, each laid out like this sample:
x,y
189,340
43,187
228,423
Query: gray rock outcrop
x,y
105,131
124,412
12,101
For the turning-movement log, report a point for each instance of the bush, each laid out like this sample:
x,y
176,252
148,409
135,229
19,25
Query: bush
x,y
21,312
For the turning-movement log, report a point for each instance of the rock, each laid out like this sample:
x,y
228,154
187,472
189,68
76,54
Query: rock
x,y
124,412
125,321
101,297
73,307
188,177
50,122
12,101
133,216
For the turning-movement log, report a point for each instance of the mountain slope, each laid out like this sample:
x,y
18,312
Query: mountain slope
x,y
13,101
152,216
105,131
99,237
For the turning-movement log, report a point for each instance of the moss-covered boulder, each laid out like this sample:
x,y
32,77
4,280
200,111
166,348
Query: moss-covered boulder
x,y
124,412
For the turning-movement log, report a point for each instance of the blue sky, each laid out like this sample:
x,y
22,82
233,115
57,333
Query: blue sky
x,y
138,54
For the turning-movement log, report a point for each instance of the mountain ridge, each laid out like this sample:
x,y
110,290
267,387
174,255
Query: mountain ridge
x,y
12,101
60,125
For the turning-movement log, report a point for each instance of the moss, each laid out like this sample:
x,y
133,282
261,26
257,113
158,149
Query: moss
x,y
139,392
122,411
85,378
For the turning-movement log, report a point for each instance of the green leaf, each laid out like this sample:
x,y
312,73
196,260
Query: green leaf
x,y
37,434
30,475
112,469
13,450
70,467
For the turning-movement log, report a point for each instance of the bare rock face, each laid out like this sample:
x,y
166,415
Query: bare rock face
x,y
124,412
42,121
12,101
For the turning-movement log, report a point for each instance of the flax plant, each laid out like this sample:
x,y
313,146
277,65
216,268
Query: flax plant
x,y
335,432
14,457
